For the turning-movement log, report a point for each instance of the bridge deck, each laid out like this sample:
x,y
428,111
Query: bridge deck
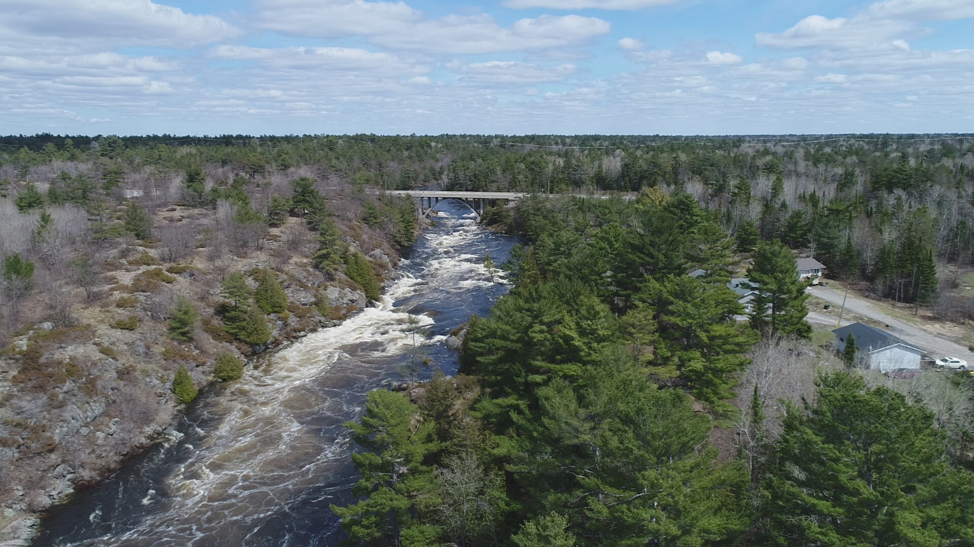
x,y
442,194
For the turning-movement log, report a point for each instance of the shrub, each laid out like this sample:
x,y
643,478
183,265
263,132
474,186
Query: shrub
x,y
149,280
144,259
129,323
228,368
183,387
216,330
177,269
127,302
108,351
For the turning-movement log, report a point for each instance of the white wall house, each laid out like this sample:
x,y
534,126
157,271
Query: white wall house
x,y
809,268
878,349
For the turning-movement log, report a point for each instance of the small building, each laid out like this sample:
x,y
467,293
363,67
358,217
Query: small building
x,y
745,291
878,349
809,268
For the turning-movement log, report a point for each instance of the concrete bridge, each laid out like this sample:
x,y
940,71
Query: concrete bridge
x,y
476,201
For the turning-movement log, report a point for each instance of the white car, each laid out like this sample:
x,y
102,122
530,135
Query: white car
x,y
952,362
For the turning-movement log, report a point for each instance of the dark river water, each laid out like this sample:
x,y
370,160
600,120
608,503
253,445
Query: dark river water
x,y
260,463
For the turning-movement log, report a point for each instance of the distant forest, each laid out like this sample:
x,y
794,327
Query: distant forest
x,y
870,207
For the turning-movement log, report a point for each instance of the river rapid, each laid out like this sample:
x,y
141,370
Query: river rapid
x,y
260,462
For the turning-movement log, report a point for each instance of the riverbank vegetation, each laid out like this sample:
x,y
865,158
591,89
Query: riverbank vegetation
x,y
612,399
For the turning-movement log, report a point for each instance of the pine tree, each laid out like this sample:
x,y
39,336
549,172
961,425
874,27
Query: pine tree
x,y
137,222
864,467
228,368
270,295
277,211
252,329
235,289
779,306
394,473
359,269
927,284
182,325
183,387
547,531
29,199
698,334
849,353
329,254
195,184
747,236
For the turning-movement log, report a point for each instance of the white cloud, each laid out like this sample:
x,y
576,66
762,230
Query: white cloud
x,y
881,24
718,58
631,44
509,72
630,5
334,58
831,78
101,24
396,25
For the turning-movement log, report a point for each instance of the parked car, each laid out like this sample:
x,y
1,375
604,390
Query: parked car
x,y
904,373
952,362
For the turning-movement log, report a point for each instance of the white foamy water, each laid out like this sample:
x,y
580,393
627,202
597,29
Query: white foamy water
x,y
270,453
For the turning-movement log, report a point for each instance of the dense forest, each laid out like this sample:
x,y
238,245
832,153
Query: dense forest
x,y
609,399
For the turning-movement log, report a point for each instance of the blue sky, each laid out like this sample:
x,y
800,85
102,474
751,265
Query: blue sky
x,y
682,67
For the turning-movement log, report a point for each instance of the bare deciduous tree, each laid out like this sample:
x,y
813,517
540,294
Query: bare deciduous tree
x,y
176,241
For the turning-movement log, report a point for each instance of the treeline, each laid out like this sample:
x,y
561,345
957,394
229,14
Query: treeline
x,y
611,399
879,208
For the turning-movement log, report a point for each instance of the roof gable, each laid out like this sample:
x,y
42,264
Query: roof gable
x,y
809,264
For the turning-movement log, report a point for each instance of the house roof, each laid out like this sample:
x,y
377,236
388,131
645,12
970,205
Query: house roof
x,y
742,286
870,338
809,264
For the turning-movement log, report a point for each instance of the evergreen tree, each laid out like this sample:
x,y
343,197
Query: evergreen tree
x,y
359,269
235,290
623,461
137,222
228,368
252,328
779,306
371,216
546,531
29,199
183,387
849,353
195,184
395,474
270,295
864,467
927,284
747,236
277,211
698,335
329,254
19,271
182,325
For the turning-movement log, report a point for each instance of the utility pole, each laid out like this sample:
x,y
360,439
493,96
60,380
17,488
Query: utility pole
x,y
838,324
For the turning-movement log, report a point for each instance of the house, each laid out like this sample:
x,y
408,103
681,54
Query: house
x,y
878,349
809,268
745,291
742,287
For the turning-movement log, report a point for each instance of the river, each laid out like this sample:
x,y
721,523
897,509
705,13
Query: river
x,y
260,462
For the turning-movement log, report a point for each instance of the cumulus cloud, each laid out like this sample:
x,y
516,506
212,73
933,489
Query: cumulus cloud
x,y
396,25
99,23
631,44
719,58
630,5
881,24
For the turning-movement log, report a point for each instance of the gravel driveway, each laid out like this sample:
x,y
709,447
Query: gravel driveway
x,y
935,345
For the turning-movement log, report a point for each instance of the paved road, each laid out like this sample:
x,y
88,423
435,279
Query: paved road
x,y
936,346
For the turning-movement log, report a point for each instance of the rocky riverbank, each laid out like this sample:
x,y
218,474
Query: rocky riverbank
x,y
80,398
